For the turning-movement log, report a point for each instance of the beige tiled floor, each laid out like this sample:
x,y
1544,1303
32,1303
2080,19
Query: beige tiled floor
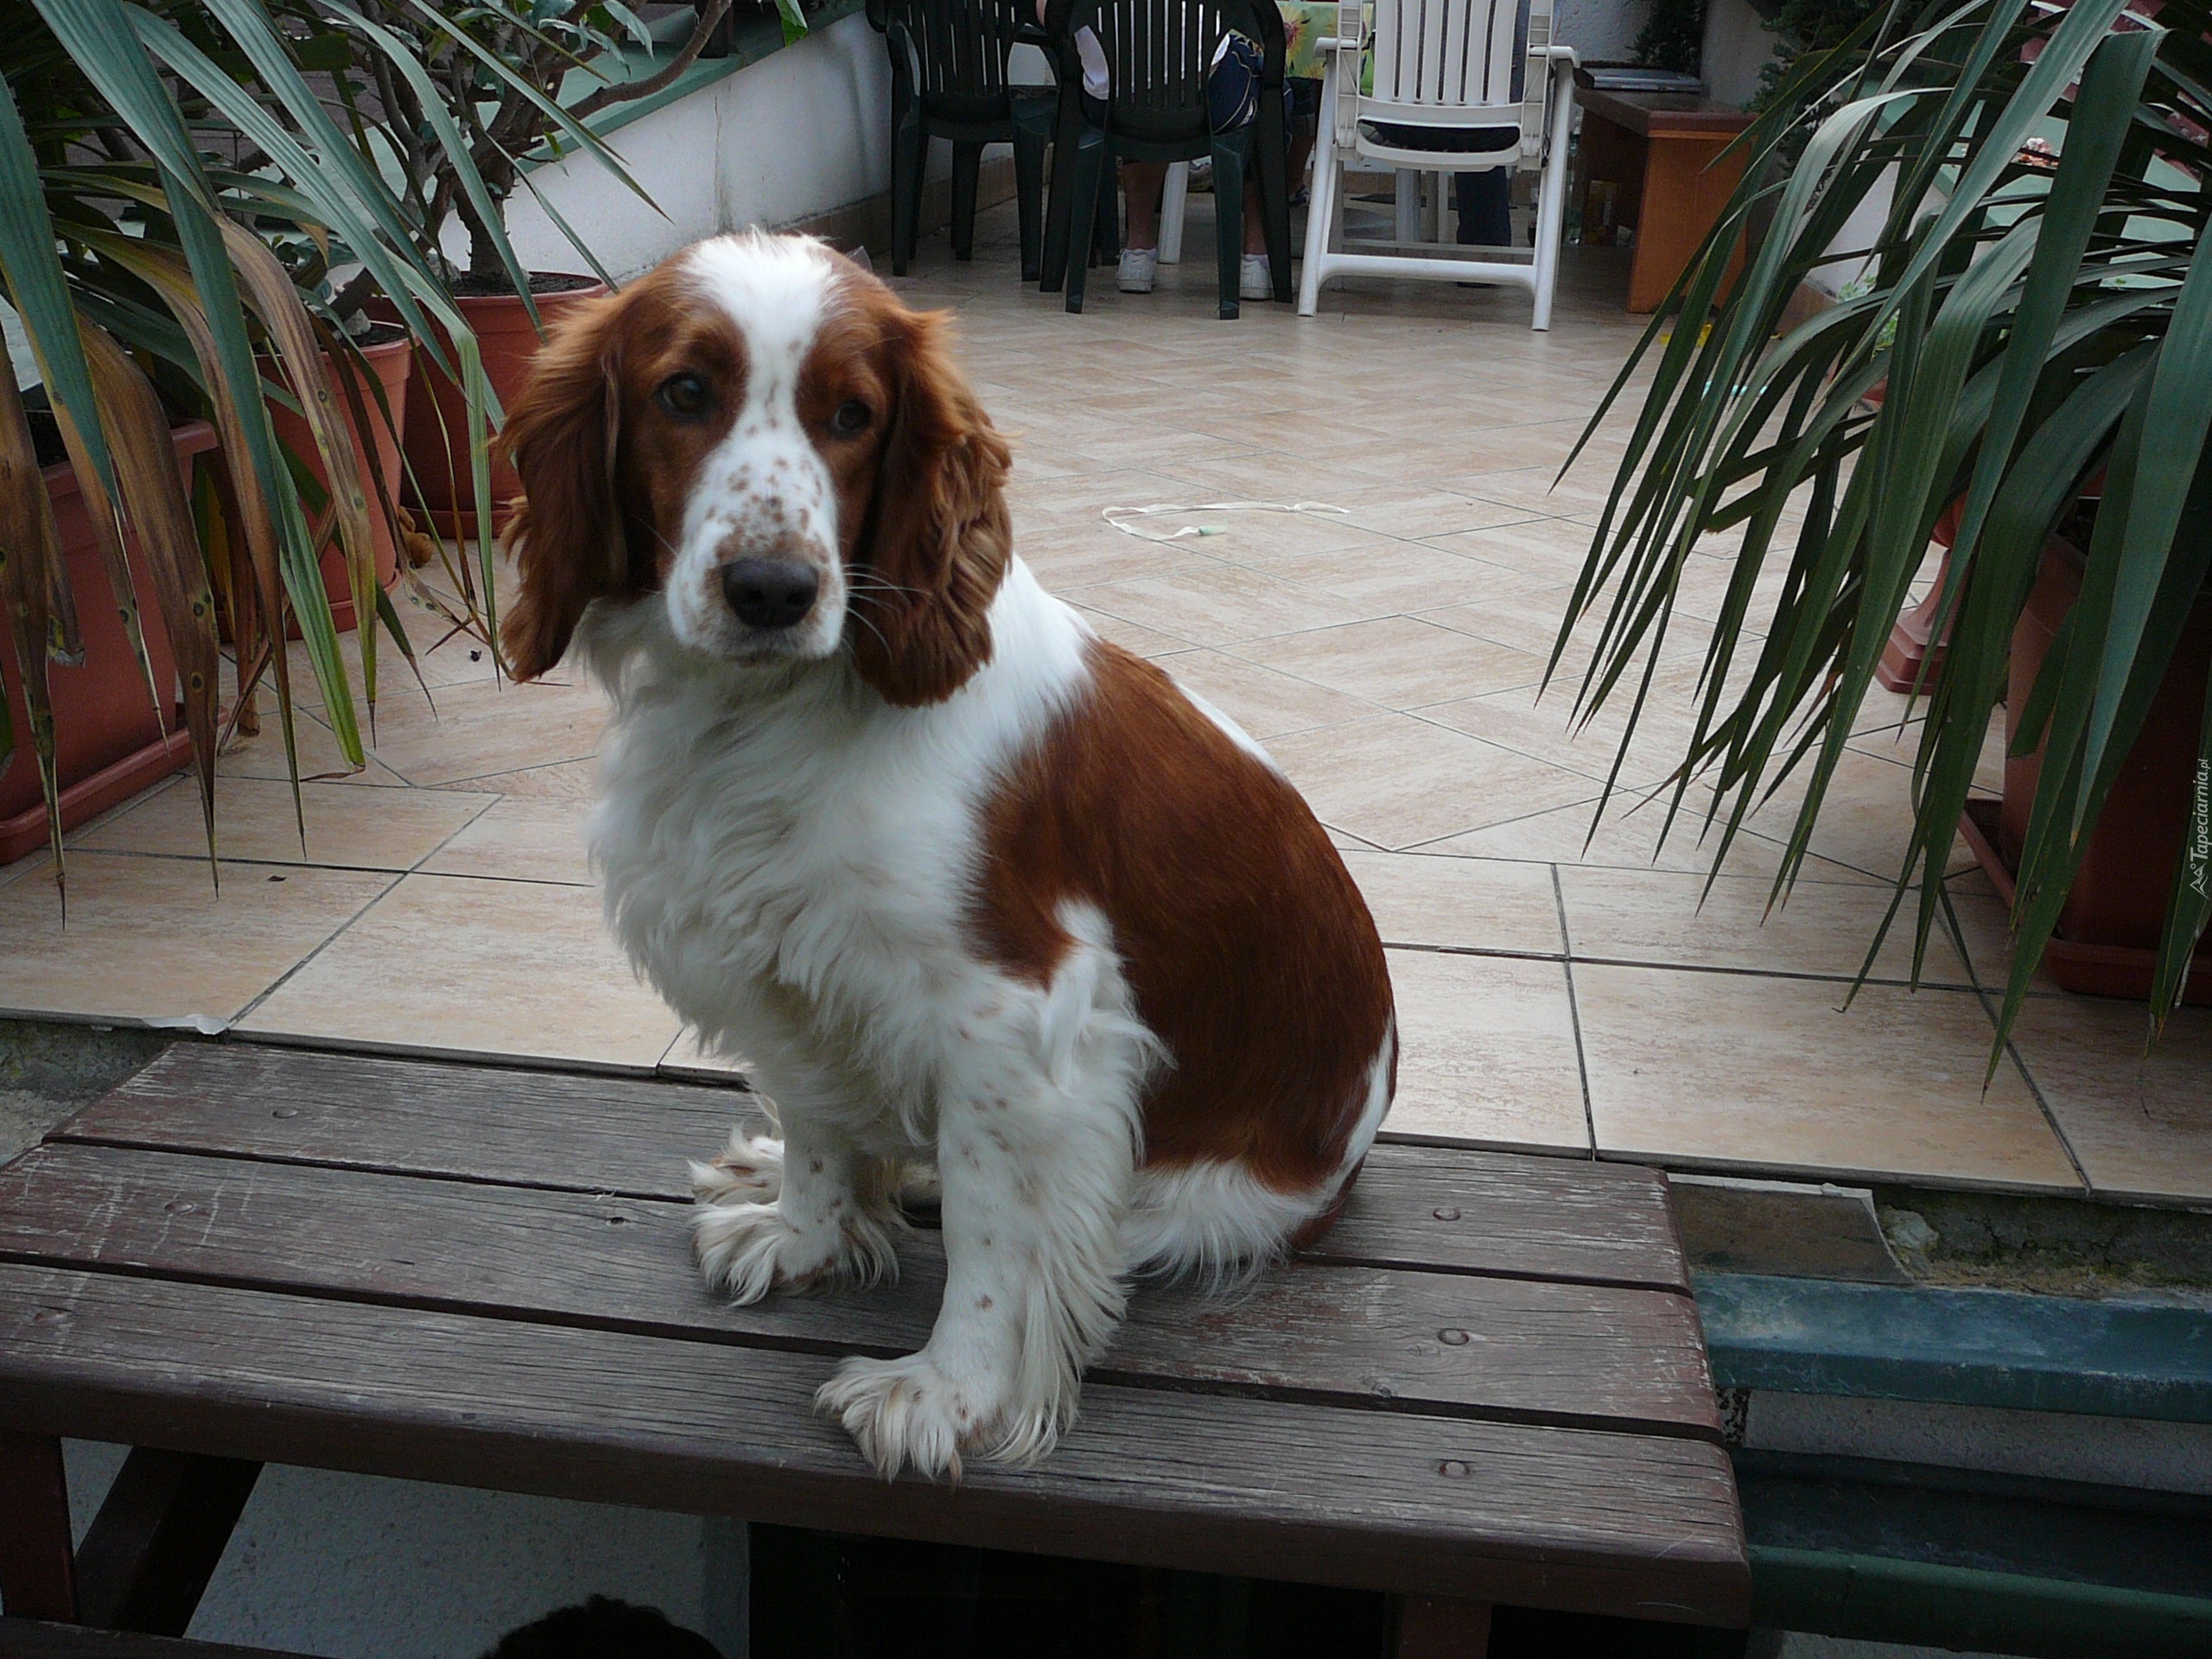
x,y
1558,991
1757,1070
460,964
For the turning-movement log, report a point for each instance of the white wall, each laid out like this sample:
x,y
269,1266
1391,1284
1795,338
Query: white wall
x,y
1736,43
804,131
1737,47
1858,235
1601,30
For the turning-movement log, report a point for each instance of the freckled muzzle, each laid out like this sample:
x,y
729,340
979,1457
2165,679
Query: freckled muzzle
x,y
759,577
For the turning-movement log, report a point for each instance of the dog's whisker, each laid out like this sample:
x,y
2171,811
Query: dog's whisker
x,y
870,581
871,627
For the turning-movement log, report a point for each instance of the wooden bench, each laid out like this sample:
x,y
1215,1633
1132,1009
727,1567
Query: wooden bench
x,y
1487,1385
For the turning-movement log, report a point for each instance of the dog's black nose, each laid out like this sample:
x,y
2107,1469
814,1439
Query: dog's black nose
x,y
769,593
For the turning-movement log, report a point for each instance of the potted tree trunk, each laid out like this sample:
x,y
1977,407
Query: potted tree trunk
x,y
2036,324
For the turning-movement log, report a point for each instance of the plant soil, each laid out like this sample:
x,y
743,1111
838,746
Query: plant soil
x,y
46,437
541,282
2077,527
2059,1247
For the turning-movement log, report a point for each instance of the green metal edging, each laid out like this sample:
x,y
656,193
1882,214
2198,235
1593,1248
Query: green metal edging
x,y
1958,1347
1877,1598
752,40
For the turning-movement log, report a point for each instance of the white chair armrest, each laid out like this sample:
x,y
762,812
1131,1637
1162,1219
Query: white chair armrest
x,y
1343,49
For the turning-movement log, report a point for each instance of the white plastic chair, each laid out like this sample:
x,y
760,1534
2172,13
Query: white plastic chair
x,y
1450,68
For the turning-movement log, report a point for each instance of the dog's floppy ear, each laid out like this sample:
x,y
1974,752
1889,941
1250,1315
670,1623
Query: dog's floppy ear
x,y
937,536
568,538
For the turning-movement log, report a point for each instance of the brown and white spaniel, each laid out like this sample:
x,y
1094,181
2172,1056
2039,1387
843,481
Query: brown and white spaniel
x,y
968,885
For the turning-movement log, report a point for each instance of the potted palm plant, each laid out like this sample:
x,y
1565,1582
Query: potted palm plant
x,y
507,83
153,157
2035,326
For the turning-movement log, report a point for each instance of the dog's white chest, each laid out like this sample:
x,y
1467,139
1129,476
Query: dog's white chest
x,y
749,861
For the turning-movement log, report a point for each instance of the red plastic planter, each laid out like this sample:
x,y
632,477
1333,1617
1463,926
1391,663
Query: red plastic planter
x,y
2107,936
437,411
379,456
109,741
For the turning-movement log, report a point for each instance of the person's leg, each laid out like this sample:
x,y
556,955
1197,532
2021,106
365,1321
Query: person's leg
x,y
1141,182
1486,204
1255,224
1254,275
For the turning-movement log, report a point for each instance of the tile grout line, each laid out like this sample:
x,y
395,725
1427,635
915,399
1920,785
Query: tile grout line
x,y
2013,1049
1574,1011
1795,975
335,869
388,888
461,785
336,933
1867,878
459,830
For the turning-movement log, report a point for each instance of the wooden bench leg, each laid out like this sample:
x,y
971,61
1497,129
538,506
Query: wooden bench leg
x,y
37,1573
155,1543
1430,1627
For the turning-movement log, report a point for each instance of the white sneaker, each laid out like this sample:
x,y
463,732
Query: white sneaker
x,y
1254,281
1139,268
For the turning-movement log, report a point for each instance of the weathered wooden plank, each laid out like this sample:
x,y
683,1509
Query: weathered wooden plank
x,y
1489,1212
1504,1349
1467,1211
1640,1525
559,1129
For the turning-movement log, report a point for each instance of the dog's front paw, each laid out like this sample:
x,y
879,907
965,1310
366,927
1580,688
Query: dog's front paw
x,y
749,1170
909,1413
902,1413
749,1249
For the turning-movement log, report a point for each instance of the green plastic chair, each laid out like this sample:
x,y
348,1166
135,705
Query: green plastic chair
x,y
1158,55
949,80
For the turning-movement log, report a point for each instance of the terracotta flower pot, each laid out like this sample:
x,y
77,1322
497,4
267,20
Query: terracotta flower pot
x,y
437,411
109,741
379,457
2107,935
1912,640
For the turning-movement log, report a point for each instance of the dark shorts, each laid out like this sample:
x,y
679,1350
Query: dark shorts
x,y
1232,91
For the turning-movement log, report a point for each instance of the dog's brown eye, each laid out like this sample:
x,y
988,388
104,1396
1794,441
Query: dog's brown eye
x,y
852,419
683,394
